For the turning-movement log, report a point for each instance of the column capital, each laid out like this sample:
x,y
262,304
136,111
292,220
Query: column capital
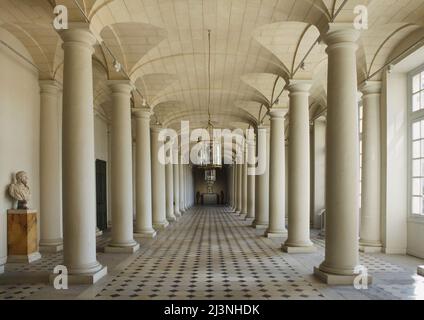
x,y
121,86
265,127
370,87
341,34
142,113
278,113
299,86
156,128
78,34
49,86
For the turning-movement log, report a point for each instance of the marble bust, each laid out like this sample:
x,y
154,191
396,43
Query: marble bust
x,y
19,189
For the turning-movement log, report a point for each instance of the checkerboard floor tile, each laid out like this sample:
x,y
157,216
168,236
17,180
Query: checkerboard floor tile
x,y
211,253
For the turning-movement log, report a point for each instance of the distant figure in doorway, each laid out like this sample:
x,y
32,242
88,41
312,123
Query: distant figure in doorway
x,y
198,197
222,197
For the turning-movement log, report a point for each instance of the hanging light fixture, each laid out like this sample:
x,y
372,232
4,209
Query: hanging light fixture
x,y
210,151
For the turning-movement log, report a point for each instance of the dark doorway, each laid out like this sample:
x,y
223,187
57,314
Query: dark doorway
x,y
101,194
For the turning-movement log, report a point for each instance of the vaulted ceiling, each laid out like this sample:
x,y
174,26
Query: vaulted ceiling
x,y
255,47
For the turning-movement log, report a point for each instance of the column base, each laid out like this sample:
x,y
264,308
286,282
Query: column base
x,y
242,216
370,249
293,249
177,214
1,269
83,278
171,219
122,249
51,248
275,234
145,234
336,279
259,226
160,225
24,258
420,270
370,246
99,233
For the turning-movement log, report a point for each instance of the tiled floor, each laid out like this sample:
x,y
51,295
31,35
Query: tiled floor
x,y
211,253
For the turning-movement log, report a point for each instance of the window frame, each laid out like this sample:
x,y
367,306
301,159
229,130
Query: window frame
x,y
412,117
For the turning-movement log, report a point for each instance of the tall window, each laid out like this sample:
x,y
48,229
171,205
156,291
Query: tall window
x,y
416,96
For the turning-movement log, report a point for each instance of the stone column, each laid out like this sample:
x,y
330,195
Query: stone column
x,y
158,182
181,173
276,226
143,180
78,162
342,188
176,174
244,187
262,180
231,187
50,177
251,153
239,188
235,187
370,235
318,172
121,170
187,188
298,240
169,190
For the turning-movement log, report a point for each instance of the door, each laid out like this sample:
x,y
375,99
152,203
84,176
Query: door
x,y
101,194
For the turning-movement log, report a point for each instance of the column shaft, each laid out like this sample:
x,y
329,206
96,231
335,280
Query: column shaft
x,y
176,174
244,187
182,186
50,177
298,239
262,179
158,182
251,150
78,171
342,190
121,170
143,175
169,190
370,234
277,226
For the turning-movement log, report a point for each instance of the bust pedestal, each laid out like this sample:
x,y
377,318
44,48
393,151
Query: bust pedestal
x,y
22,241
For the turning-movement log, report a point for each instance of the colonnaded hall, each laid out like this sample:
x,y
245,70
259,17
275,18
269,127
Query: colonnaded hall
x,y
212,149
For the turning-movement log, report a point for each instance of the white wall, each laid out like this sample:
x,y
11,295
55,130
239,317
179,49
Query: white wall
x,y
19,127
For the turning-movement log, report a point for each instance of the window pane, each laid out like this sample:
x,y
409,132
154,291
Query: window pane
x,y
416,149
416,83
416,168
422,99
416,131
422,80
416,187
416,102
416,205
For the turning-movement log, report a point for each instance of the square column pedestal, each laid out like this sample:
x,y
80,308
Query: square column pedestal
x,y
22,239
420,270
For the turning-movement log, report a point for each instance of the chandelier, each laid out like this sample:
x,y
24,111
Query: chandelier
x,y
210,151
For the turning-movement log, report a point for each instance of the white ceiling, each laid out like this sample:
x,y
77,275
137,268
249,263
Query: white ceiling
x,y
256,45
